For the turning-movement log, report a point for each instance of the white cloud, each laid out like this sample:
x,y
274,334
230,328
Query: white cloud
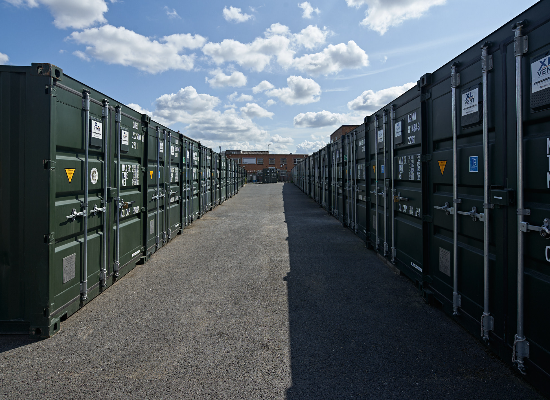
x,y
136,107
319,119
242,98
4,58
278,43
270,102
235,14
371,101
382,14
282,140
203,121
311,36
122,46
262,86
81,55
299,91
333,59
236,79
171,14
308,9
252,110
307,147
70,14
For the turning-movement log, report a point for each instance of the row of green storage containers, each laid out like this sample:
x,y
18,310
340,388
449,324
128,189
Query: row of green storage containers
x,y
451,183
88,188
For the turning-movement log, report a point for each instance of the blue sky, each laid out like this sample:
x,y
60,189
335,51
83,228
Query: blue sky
x,y
245,74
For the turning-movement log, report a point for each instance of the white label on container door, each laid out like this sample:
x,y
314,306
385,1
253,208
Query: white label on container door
x,y
125,137
94,175
97,130
411,117
136,125
161,147
381,136
469,102
398,129
172,149
540,74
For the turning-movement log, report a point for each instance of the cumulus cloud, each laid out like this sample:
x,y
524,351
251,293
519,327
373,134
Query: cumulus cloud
x,y
243,97
370,100
235,14
307,147
299,91
333,59
70,14
171,14
319,119
4,58
203,121
282,140
308,9
81,55
262,86
125,47
219,79
382,15
253,110
278,43
270,102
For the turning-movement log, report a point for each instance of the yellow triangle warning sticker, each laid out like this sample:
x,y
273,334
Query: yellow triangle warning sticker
x,y
151,173
70,173
442,165
374,169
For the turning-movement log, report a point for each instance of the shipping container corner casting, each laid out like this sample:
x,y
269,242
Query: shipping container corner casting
x,y
89,188
450,182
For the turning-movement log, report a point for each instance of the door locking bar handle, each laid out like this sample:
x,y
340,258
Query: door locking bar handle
x,y
398,198
448,210
543,230
75,214
474,214
97,209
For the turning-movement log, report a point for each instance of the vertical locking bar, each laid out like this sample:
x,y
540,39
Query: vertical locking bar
x,y
157,239
103,273
376,176
392,133
521,346
84,278
168,181
118,120
455,82
355,171
487,320
384,196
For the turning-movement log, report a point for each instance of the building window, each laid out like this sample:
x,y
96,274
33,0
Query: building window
x,y
260,161
295,161
238,160
283,160
271,161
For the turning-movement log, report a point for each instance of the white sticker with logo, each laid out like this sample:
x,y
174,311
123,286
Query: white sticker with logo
x,y
381,136
136,125
94,176
540,74
125,137
398,129
470,102
97,130
161,146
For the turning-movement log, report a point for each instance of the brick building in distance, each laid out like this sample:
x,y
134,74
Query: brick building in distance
x,y
255,161
341,131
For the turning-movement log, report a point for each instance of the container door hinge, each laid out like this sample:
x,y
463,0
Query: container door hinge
x,y
49,238
487,62
425,157
487,324
521,45
49,164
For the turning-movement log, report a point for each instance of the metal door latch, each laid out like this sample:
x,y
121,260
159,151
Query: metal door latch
x,y
75,214
474,214
398,198
448,210
544,230
97,209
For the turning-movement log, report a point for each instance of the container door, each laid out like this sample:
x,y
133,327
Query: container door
x,y
406,240
156,193
363,197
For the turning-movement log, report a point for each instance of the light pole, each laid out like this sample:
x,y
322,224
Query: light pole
x,y
268,148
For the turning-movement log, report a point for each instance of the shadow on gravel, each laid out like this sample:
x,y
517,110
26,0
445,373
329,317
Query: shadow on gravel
x,y
10,342
357,330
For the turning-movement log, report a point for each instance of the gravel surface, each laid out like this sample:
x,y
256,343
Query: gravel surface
x,y
267,296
